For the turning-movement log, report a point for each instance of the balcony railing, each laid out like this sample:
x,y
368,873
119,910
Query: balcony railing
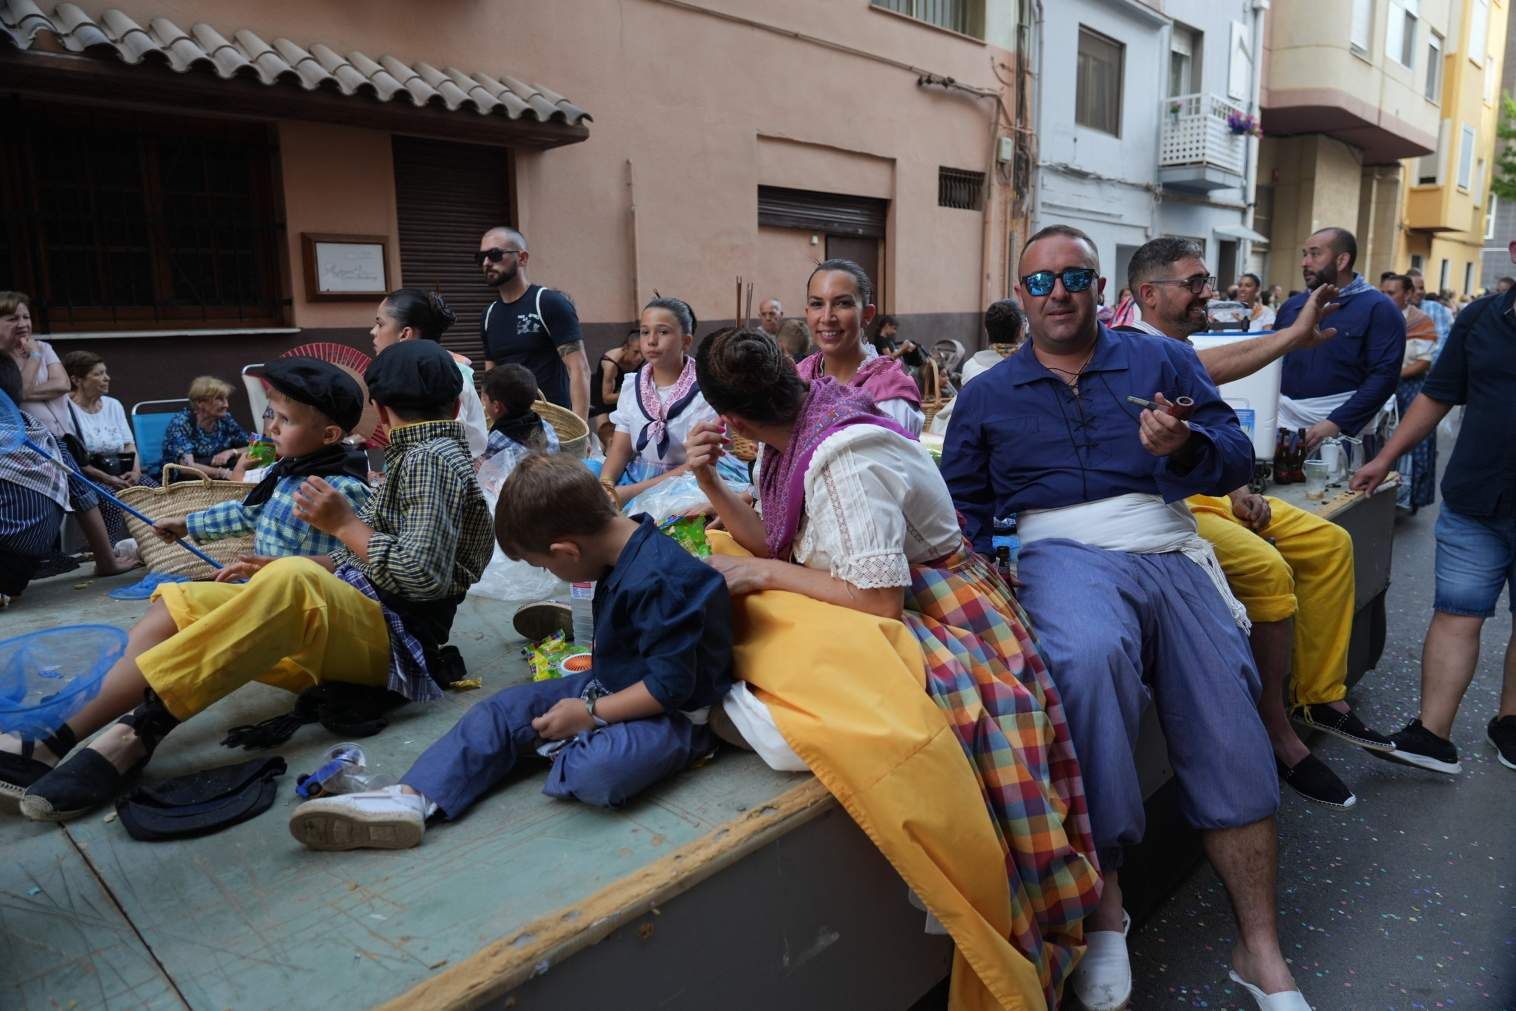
x,y
1198,149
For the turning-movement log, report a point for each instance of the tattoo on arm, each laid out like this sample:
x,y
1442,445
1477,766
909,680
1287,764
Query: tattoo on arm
x,y
570,349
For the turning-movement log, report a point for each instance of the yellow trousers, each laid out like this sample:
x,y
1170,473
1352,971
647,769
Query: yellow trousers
x,y
293,626
1306,572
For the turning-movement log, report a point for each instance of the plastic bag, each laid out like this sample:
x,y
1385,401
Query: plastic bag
x,y
680,495
1448,427
503,578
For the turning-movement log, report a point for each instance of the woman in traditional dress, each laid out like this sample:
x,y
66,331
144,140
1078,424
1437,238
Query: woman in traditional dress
x,y
839,306
854,514
1418,468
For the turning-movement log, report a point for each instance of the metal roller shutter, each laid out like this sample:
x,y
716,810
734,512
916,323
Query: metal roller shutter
x,y
833,213
446,196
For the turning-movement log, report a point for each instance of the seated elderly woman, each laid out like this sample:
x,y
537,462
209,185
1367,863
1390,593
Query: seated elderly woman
x,y
99,423
204,436
857,524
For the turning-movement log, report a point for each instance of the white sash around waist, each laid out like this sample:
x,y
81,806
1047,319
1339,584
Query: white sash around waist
x,y
1138,523
1303,412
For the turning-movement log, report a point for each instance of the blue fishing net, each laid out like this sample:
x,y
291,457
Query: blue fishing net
x,y
46,677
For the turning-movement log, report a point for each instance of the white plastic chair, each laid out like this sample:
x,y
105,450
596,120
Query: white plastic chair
x,y
257,395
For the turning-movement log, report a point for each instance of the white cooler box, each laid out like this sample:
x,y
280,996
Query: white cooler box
x,y
1255,398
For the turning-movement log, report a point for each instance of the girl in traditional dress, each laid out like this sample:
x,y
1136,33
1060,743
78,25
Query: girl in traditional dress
x,y
658,406
839,306
854,514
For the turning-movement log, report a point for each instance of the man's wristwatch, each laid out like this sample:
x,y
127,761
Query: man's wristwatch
x,y
589,704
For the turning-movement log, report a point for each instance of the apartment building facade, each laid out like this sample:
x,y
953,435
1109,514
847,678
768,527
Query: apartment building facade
x,y
1142,125
1500,215
179,162
1345,104
1447,196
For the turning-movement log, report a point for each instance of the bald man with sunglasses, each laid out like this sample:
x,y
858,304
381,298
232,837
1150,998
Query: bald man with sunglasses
x,y
1129,604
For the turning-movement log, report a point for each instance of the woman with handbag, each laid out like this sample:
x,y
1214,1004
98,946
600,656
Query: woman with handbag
x,y
101,440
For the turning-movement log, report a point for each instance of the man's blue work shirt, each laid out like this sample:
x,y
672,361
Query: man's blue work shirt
x,y
1478,369
663,617
1020,439
1366,356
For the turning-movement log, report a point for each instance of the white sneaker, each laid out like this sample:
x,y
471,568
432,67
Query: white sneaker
x,y
387,819
1103,978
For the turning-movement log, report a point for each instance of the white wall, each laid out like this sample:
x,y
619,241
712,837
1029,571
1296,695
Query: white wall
x,y
1110,195
1214,19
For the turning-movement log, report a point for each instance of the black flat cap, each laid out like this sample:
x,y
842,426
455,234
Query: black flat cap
x,y
414,376
319,384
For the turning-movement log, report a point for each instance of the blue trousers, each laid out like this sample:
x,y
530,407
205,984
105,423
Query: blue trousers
x,y
1120,631
605,767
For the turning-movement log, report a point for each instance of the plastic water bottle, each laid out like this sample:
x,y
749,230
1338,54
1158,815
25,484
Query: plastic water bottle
x,y
344,769
582,603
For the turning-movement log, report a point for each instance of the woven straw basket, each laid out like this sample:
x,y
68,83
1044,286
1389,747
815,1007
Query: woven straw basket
x,y
174,500
745,450
573,433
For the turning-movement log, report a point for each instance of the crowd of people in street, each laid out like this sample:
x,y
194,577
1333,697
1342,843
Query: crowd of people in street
x,y
1151,573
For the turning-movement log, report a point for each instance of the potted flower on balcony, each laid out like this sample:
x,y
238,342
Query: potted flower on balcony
x,y
1243,124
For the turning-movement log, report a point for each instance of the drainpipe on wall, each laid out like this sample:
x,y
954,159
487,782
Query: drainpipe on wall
x,y
987,211
1255,95
1034,103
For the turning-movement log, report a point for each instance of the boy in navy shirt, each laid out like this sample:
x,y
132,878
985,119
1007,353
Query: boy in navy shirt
x,y
662,658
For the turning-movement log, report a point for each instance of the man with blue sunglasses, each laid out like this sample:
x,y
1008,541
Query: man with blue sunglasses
x,y
1130,605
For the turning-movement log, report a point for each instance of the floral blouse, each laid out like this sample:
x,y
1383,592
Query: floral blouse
x,y
185,436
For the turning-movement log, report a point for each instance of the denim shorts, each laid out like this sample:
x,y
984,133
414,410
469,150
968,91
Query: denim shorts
x,y
1476,559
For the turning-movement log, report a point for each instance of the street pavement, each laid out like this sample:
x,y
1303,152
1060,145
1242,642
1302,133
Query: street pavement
x,y
1405,901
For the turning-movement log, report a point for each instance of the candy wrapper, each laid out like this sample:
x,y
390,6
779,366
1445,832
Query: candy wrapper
x,y
555,656
689,533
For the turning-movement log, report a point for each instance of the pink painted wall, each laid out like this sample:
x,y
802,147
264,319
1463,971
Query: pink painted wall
x,y
703,106
351,194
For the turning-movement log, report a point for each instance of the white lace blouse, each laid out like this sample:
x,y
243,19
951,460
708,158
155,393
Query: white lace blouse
x,y
875,504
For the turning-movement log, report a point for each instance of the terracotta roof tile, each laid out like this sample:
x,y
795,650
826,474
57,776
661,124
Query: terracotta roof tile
x,y
283,62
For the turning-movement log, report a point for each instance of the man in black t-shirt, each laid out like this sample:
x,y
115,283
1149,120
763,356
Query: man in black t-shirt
x,y
1476,526
531,325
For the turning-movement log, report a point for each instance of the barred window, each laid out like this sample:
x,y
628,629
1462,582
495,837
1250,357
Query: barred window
x,y
121,221
963,16
960,188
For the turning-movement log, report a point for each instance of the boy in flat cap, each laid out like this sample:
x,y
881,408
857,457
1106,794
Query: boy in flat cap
x,y
374,613
314,406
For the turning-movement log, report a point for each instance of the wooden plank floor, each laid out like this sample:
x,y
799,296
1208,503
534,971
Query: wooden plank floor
x,y
248,918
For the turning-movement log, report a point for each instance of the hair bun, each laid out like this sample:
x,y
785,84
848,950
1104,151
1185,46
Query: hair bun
x,y
445,314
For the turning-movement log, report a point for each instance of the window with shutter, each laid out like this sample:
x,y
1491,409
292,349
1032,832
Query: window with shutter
x,y
446,196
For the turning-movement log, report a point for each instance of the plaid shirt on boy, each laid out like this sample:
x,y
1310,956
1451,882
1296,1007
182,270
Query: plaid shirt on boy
x,y
276,531
433,534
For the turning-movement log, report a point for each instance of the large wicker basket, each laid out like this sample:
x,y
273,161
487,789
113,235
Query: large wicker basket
x,y
573,433
181,499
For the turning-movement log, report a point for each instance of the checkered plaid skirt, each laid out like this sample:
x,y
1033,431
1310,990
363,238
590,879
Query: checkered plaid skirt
x,y
984,671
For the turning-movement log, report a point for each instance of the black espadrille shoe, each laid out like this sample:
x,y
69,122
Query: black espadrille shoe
x,y
19,771
1310,778
1344,726
89,780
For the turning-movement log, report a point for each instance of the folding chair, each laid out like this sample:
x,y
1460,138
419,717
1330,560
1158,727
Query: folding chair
x,y
150,420
257,396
